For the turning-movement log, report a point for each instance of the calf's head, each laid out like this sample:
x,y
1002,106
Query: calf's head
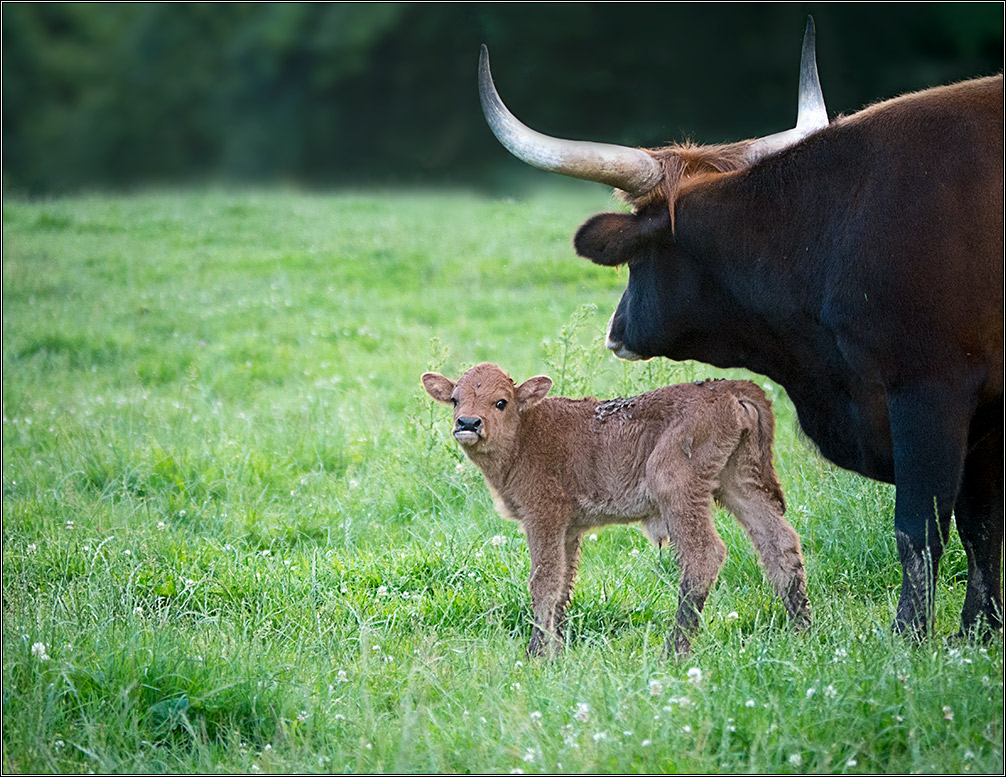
x,y
487,405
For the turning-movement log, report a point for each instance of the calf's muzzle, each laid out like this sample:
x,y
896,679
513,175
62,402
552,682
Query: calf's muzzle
x,y
467,430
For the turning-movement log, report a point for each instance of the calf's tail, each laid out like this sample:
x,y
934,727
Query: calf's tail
x,y
755,403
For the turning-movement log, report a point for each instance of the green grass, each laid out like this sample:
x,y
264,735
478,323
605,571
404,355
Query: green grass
x,y
246,540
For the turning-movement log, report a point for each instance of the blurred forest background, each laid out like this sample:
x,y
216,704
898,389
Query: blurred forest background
x,y
99,96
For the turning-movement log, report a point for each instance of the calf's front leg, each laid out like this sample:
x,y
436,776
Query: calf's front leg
x,y
554,556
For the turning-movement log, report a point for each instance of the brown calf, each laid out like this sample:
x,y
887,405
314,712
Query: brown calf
x,y
562,466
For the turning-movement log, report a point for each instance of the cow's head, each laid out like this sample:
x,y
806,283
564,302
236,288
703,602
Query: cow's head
x,y
487,406
645,239
650,180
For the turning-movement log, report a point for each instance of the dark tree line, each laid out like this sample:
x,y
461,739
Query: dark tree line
x,y
114,95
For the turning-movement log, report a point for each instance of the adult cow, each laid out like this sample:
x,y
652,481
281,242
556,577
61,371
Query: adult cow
x,y
858,263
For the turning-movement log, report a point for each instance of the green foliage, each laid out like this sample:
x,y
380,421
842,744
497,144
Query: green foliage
x,y
238,536
115,94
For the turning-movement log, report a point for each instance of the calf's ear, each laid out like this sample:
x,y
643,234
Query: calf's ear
x,y
611,239
532,391
438,387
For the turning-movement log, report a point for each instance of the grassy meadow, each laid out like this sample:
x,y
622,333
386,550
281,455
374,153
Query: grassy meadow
x,y
238,537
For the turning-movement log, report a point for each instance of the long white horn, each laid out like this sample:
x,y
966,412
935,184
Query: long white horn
x,y
811,114
629,169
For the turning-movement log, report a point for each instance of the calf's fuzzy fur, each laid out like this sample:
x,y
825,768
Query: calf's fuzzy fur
x,y
562,466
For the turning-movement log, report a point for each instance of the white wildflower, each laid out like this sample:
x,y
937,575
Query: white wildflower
x,y
498,541
732,616
40,651
948,714
656,688
695,675
796,759
582,712
592,538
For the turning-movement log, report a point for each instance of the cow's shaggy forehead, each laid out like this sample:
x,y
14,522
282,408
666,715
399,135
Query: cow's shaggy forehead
x,y
485,381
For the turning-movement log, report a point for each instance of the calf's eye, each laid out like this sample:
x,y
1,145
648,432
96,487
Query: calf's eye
x,y
501,404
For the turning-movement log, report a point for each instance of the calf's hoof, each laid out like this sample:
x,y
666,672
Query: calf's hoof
x,y
678,645
541,646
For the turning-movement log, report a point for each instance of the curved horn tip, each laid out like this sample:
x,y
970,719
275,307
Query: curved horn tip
x,y
630,169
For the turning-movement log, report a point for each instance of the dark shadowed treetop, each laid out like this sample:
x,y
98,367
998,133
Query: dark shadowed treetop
x,y
111,95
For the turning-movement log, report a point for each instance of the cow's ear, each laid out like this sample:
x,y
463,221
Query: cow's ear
x,y
532,391
612,239
438,387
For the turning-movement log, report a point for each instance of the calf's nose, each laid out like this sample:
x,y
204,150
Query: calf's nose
x,y
468,424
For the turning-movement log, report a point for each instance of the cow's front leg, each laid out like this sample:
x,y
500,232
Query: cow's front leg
x,y
929,439
549,584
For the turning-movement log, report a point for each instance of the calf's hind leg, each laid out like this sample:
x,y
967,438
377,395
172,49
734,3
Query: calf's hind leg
x,y
776,542
701,554
683,491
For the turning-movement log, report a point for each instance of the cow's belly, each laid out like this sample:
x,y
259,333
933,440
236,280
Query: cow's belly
x,y
851,429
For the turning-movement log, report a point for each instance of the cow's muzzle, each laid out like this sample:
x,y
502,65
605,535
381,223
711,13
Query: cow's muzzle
x,y
616,346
